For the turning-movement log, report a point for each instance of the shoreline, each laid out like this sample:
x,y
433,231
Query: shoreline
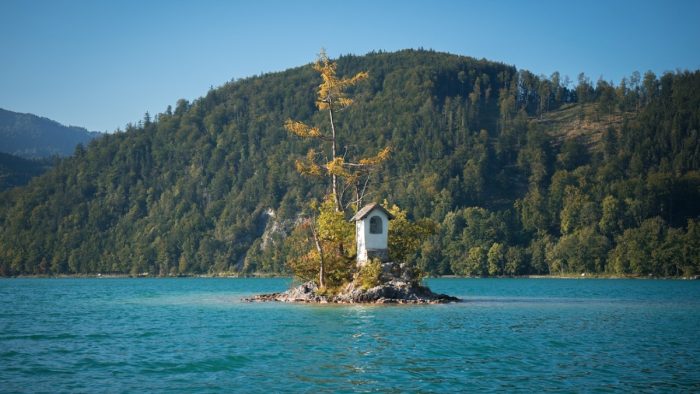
x,y
275,276
147,276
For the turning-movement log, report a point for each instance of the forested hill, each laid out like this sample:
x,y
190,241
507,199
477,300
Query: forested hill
x,y
521,174
16,171
34,137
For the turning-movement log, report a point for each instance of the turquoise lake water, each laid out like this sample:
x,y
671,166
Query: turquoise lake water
x,y
196,335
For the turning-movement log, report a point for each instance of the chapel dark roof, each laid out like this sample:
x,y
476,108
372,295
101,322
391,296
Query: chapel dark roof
x,y
362,213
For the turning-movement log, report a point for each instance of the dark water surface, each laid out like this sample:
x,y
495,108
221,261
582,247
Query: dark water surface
x,y
185,335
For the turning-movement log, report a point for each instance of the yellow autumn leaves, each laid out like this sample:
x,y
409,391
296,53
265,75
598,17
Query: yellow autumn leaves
x,y
331,93
302,130
338,166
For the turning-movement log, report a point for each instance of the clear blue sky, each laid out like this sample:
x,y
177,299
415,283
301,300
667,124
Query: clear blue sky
x,y
101,64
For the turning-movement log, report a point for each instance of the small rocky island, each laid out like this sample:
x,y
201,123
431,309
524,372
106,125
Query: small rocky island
x,y
376,282
394,289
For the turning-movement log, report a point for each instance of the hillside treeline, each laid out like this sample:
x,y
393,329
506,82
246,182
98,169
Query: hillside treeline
x,y
521,174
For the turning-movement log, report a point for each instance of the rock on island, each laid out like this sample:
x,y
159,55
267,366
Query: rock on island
x,y
393,289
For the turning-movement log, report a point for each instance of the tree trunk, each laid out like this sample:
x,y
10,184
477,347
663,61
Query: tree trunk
x,y
334,178
321,272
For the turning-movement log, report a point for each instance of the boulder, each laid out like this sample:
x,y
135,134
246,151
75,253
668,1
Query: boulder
x,y
306,292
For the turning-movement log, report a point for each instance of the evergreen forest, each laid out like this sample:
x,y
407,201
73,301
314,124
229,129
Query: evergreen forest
x,y
519,174
16,171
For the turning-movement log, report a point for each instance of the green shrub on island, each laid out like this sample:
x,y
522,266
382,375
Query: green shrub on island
x,y
370,274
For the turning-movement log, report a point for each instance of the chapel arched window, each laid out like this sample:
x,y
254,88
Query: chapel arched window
x,y
375,225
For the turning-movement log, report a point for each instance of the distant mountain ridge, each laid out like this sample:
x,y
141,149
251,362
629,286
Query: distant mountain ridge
x,y
31,136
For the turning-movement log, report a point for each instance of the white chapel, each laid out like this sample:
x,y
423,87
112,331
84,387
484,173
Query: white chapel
x,y
372,233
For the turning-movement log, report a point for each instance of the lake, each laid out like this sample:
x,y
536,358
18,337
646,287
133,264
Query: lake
x,y
196,335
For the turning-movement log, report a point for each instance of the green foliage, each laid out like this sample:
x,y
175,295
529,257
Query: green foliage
x,y
302,257
16,171
475,263
405,236
370,274
611,221
578,211
583,251
334,228
516,261
336,235
329,231
654,249
691,249
496,259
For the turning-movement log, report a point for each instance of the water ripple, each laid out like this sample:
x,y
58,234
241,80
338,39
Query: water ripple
x,y
195,335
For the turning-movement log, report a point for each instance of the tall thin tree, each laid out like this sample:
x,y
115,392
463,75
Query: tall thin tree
x,y
332,98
